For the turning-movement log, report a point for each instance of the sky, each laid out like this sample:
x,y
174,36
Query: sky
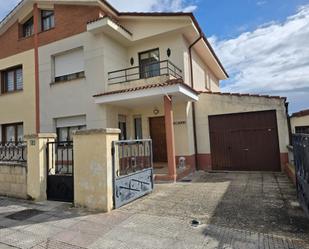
x,y
263,44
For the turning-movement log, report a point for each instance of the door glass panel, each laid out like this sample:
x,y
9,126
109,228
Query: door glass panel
x,y
149,64
62,134
138,128
20,133
10,81
122,124
19,79
10,133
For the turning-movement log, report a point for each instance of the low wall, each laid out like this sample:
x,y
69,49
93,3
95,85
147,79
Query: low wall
x,y
13,180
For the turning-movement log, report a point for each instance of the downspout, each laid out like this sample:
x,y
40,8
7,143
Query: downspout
x,y
289,122
193,103
36,66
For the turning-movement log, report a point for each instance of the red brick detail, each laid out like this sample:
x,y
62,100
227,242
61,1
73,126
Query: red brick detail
x,y
36,14
284,159
290,173
12,44
69,20
204,162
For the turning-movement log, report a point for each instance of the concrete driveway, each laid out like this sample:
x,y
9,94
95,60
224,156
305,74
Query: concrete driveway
x,y
235,210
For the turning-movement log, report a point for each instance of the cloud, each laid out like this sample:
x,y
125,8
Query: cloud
x,y
154,5
272,59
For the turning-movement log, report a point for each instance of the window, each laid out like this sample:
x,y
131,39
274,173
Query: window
x,y
138,128
302,129
149,63
48,21
65,134
12,132
69,65
28,28
122,125
12,80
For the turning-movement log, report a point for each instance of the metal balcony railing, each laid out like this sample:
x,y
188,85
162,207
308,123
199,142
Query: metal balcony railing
x,y
146,71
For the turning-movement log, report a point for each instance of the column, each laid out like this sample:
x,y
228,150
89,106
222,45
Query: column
x,y
170,139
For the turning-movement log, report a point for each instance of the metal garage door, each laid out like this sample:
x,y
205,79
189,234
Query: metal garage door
x,y
245,141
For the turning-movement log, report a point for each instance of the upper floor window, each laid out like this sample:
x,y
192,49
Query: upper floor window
x,y
69,65
48,20
12,80
28,28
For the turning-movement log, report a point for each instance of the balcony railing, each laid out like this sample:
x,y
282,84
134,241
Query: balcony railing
x,y
13,152
144,72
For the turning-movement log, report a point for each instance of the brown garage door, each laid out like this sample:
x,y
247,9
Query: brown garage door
x,y
245,141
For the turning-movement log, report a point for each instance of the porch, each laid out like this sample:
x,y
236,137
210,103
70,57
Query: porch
x,y
162,113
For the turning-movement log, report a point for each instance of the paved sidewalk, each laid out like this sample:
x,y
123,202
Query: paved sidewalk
x,y
236,210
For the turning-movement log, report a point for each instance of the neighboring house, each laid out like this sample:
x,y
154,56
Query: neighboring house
x,y
300,122
153,75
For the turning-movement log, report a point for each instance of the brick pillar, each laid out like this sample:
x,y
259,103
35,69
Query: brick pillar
x,y
36,164
170,139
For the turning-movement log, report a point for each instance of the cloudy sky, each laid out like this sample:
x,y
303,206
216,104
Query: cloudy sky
x,y
264,44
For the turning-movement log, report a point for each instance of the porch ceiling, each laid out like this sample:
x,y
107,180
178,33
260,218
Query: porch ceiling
x,y
148,95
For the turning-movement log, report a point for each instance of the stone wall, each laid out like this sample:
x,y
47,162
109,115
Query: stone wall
x,y
13,180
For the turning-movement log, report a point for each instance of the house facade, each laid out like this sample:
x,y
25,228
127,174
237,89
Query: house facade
x,y
75,65
300,122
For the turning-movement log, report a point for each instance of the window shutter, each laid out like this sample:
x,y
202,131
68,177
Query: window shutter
x,y
69,63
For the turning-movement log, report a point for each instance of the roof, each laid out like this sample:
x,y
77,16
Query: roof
x,y
150,86
158,14
301,113
245,95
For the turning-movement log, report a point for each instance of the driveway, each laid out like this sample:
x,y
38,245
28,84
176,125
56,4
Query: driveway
x,y
235,210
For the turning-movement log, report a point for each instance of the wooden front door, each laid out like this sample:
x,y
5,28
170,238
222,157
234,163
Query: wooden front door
x,y
158,136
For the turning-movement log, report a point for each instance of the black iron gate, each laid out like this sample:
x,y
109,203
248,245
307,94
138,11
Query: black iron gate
x,y
133,170
301,159
60,168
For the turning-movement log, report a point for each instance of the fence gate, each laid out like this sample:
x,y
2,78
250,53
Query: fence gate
x,y
133,170
60,168
301,159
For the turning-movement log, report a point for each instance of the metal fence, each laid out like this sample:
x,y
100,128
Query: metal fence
x,y
133,155
132,169
149,70
301,159
60,158
13,152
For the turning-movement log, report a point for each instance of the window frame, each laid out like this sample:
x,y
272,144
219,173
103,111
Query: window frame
x,y
4,79
5,126
68,128
136,127
45,17
302,129
144,73
25,25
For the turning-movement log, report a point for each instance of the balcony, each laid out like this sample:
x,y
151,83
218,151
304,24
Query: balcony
x,y
151,73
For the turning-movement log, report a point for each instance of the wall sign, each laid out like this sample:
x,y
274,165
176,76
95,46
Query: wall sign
x,y
179,122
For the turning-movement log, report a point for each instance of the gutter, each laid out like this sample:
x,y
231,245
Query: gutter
x,y
193,103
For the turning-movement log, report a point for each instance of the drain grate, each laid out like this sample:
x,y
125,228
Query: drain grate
x,y
24,214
